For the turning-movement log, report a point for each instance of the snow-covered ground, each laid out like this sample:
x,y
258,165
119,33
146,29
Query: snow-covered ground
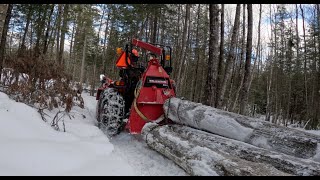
x,y
29,146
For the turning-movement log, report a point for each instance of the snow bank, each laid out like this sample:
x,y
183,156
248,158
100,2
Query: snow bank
x,y
29,146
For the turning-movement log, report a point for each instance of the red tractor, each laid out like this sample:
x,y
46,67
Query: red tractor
x,y
140,93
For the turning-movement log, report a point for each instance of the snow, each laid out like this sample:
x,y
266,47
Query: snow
x,y
143,160
317,156
30,146
261,142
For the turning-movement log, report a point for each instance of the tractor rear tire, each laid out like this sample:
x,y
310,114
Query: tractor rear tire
x,y
111,112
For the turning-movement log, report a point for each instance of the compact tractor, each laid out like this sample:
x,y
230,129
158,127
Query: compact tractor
x,y
139,95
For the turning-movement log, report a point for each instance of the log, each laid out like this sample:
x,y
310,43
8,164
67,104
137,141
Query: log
x,y
281,161
197,159
242,128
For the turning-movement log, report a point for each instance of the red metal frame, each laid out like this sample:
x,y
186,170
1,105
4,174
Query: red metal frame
x,y
147,46
151,99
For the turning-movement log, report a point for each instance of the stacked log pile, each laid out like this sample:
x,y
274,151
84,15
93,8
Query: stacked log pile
x,y
209,141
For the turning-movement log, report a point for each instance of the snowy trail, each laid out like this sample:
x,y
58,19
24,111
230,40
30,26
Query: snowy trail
x,y
30,146
133,150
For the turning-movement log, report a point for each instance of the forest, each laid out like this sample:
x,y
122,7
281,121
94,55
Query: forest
x,y
260,60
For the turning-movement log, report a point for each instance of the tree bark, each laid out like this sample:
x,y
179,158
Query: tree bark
x,y
200,159
253,155
83,58
71,48
93,80
64,30
305,63
46,43
197,56
243,44
247,70
4,36
155,25
183,47
210,85
231,56
58,32
258,47
23,46
242,128
186,54
220,64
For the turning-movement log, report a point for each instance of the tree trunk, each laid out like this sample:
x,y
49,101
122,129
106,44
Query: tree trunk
x,y
305,63
46,43
155,25
221,57
247,70
23,46
58,32
183,47
71,48
243,44
210,85
258,48
93,80
4,36
181,81
104,53
242,128
231,56
197,56
40,28
83,58
64,30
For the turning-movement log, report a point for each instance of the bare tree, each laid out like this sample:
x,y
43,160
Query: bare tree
x,y
243,44
231,55
210,86
83,56
183,46
197,55
221,57
64,30
245,88
4,36
305,60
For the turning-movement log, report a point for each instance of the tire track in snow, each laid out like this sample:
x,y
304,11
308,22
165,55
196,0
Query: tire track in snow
x,y
132,149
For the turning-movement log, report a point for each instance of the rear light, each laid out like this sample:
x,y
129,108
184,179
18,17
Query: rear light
x,y
120,83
